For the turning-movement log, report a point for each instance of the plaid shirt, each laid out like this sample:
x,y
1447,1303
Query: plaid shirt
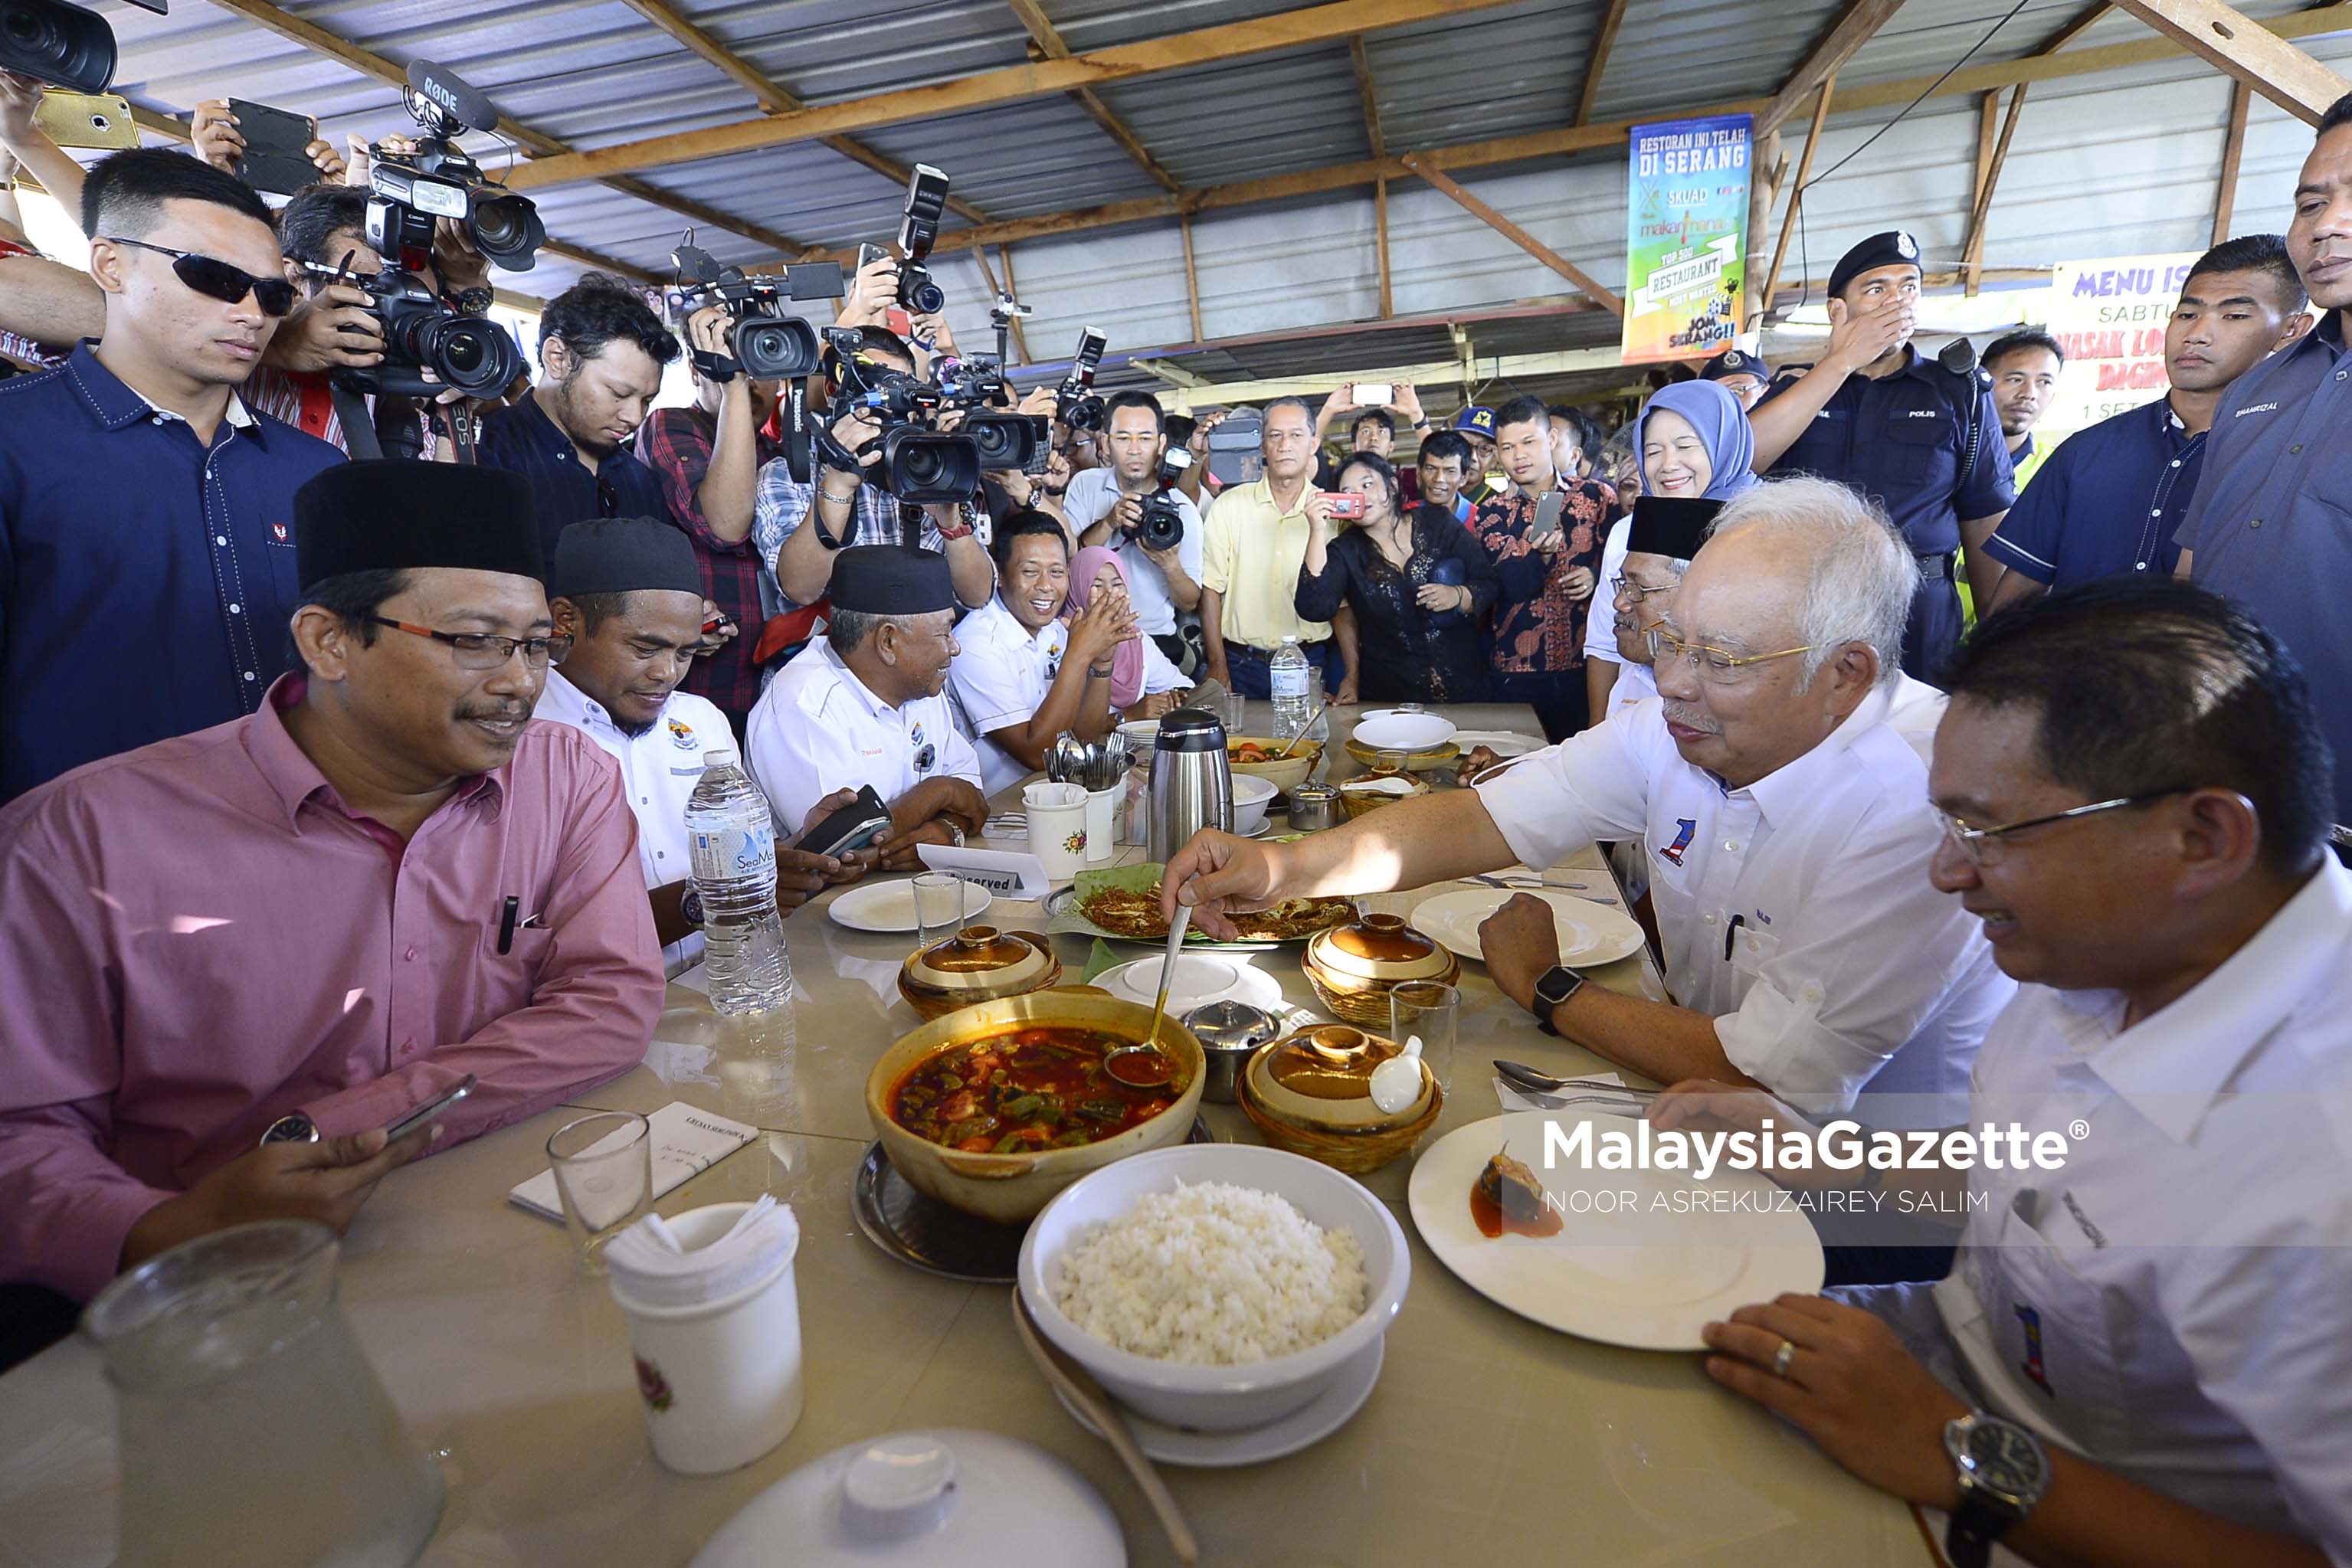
x,y
877,517
676,443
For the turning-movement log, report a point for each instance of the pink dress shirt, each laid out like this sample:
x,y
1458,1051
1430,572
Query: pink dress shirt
x,y
199,938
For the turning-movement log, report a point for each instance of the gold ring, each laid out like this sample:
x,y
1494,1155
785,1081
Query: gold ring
x,y
1782,1357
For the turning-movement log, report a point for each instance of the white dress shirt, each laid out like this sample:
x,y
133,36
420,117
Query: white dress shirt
x,y
1601,630
816,728
1090,499
1003,673
660,766
2172,1303
1796,910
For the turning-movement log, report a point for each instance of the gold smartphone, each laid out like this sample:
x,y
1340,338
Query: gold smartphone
x,y
87,119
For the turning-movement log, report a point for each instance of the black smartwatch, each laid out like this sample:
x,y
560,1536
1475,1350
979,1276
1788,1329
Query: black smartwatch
x,y
2004,1471
1556,986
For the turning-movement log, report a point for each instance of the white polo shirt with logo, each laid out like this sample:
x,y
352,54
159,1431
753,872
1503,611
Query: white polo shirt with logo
x,y
816,728
1003,672
1796,910
660,768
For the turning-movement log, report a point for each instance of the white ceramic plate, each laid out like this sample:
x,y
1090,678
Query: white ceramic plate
x,y
1403,731
889,906
1200,978
1648,1275
1590,932
1501,742
1302,1429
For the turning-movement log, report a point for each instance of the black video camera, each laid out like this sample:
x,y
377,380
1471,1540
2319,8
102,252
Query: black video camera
x,y
408,192
920,464
421,332
976,383
1160,524
61,44
919,230
766,343
1074,402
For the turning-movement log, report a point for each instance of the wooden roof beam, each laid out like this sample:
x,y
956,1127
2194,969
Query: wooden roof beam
x,y
1050,45
1518,236
2256,55
1234,40
1597,60
1855,26
1368,93
2075,28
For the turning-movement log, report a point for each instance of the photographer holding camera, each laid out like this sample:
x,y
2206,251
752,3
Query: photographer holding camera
x,y
603,350
1112,507
146,509
802,525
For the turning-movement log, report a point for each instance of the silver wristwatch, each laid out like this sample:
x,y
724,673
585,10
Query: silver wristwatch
x,y
2003,1470
291,1128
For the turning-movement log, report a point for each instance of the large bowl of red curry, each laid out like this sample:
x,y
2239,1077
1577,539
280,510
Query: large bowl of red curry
x,y
952,1101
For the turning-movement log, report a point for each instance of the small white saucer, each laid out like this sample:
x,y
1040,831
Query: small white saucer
x,y
1302,1429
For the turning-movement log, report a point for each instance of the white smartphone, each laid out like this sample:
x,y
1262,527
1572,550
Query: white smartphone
x,y
1374,394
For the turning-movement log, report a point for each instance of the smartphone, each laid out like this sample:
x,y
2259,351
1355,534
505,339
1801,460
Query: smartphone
x,y
409,1121
868,254
87,119
274,159
864,821
1374,394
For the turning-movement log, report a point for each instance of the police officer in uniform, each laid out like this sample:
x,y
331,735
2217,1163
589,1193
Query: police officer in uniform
x,y
1742,374
1920,436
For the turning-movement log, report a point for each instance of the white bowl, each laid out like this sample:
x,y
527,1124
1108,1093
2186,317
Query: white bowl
x,y
1252,796
1404,732
1218,1398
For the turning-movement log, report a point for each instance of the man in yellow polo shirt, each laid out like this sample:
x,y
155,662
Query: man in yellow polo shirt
x,y
1253,543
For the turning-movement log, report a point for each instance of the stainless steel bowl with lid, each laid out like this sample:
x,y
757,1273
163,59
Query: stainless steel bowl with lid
x,y
1230,1033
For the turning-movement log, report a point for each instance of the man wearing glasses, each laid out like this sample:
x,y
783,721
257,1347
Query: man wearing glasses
x,y
1785,822
146,541
309,921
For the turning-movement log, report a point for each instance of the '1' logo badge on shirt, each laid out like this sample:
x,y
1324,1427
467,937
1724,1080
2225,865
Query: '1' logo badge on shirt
x,y
278,532
2033,1362
1673,853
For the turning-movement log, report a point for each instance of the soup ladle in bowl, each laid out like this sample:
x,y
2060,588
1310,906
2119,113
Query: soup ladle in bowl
x,y
1143,1066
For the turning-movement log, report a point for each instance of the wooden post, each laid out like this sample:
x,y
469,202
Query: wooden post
x,y
2249,51
1972,256
1380,245
1596,61
2225,195
1192,279
1759,304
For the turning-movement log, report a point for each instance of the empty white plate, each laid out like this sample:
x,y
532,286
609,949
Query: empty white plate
x,y
1590,932
1503,743
1397,731
1200,978
890,905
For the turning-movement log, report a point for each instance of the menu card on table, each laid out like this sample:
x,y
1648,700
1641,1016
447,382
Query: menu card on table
x,y
687,1141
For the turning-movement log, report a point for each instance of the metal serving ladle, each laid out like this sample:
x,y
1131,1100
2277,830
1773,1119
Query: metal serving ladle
x,y
1151,1046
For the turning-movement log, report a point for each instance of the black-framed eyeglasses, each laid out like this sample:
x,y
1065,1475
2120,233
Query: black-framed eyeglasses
x,y
485,650
216,279
1984,846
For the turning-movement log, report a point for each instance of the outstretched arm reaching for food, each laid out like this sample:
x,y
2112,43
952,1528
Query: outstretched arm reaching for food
x,y
1409,844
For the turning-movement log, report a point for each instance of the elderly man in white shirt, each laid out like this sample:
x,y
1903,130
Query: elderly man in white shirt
x,y
627,593
2141,1357
866,704
1023,675
1785,822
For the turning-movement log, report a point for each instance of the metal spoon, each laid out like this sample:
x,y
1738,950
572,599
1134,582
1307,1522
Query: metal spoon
x,y
1527,1077
1302,730
1076,1385
1150,1044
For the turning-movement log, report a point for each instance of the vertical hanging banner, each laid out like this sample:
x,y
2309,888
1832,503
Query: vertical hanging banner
x,y
1685,237
2109,314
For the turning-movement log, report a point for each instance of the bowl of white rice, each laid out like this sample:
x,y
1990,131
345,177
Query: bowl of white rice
x,y
1215,1286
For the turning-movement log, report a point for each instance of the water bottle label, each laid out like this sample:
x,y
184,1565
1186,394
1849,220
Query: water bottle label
x,y
1286,684
729,852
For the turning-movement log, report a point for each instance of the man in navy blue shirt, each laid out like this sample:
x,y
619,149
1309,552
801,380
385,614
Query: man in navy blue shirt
x,y
602,350
146,542
1923,441
2109,498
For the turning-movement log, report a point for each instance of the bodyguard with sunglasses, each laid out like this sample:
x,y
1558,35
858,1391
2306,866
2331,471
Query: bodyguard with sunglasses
x,y
146,514
307,921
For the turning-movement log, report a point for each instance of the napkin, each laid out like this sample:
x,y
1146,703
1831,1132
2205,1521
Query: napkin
x,y
687,1141
647,1263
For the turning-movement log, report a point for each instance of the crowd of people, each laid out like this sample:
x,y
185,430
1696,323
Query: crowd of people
x,y
1955,767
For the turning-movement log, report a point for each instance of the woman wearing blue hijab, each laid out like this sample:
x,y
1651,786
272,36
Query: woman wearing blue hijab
x,y
1691,441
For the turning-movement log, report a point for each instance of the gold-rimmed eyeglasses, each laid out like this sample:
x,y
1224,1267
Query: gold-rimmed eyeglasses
x,y
1716,667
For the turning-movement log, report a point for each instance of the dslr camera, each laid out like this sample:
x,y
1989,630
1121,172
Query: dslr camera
x,y
919,230
1074,402
410,191
422,331
766,343
1160,526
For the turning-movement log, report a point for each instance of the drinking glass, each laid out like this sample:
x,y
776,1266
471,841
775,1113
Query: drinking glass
x,y
1388,761
939,906
1434,1011
1235,714
604,1173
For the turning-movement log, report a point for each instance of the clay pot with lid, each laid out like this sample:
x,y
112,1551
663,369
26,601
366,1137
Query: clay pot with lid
x,y
978,964
1353,967
1311,1094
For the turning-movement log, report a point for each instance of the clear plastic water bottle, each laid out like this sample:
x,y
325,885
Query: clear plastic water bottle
x,y
732,840
1286,674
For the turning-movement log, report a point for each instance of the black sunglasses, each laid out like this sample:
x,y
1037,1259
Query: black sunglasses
x,y
219,280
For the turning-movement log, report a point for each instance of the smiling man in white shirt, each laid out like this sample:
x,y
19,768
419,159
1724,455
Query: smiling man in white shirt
x,y
1785,822
866,704
627,593
2143,1347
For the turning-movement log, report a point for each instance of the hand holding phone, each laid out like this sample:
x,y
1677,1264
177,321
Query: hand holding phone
x,y
418,1116
861,822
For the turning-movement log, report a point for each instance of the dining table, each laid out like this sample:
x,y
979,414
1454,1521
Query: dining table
x,y
1488,1439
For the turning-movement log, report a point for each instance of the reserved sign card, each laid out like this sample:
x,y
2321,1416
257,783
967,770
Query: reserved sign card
x,y
687,1141
1008,873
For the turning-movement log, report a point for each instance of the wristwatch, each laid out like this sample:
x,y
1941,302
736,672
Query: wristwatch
x,y
2003,1469
1555,986
689,907
294,1127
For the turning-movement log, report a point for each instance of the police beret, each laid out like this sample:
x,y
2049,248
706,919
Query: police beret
x,y
1734,362
892,580
393,515
1893,249
623,555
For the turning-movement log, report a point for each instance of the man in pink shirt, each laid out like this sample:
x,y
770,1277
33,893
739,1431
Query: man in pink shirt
x,y
332,909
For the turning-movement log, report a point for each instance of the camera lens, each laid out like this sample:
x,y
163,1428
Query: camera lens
x,y
508,231
922,467
473,355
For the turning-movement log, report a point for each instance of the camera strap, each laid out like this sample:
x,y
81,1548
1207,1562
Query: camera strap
x,y
359,425
719,367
